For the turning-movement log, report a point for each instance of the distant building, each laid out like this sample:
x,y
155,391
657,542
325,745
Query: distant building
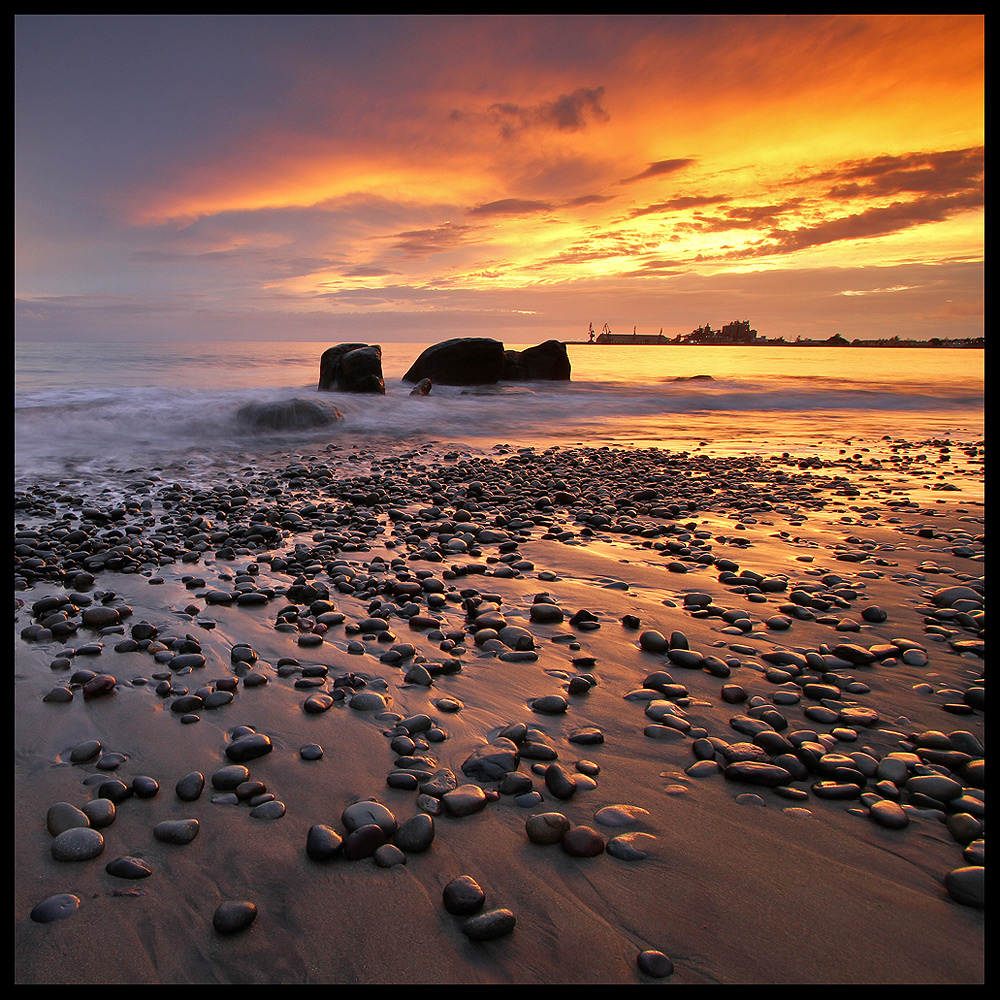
x,y
607,337
737,332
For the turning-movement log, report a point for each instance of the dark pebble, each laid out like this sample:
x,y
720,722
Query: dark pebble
x,y
190,787
128,867
655,964
582,842
58,907
249,747
489,926
176,831
234,916
323,843
463,896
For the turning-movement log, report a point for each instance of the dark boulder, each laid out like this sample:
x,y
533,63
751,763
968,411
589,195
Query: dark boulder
x,y
287,415
422,388
461,361
546,361
352,368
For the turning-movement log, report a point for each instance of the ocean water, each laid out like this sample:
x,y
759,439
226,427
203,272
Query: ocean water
x,y
86,410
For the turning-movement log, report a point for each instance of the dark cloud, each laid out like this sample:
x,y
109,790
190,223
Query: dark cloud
x,y
744,217
883,221
658,169
945,172
679,204
512,206
566,113
589,199
438,239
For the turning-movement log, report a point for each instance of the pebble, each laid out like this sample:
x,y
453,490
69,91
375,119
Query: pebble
x,y
464,800
190,787
620,815
633,846
64,816
368,812
582,842
176,831
128,867
889,814
967,885
57,907
323,842
490,925
546,828
655,964
416,834
77,844
463,896
249,747
101,812
233,916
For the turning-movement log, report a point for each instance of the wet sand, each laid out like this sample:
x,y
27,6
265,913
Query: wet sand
x,y
777,571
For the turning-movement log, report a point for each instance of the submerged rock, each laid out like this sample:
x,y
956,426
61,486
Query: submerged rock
x,y
287,415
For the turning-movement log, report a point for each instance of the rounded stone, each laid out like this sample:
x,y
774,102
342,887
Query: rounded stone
x,y
368,701
85,751
64,816
176,831
368,812
128,867
489,926
190,787
465,800
655,964
101,812
463,896
323,842
249,747
77,844
889,814
620,815
416,834
57,907
549,704
388,856
967,885
234,915
546,828
273,809
582,842
145,787
364,842
630,846
227,778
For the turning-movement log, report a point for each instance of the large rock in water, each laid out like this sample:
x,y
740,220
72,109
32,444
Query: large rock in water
x,y
287,415
351,368
461,361
546,361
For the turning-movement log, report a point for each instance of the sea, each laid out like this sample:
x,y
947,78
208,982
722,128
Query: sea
x,y
91,410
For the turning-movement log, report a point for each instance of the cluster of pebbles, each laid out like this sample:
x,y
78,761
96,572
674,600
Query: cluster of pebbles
x,y
343,549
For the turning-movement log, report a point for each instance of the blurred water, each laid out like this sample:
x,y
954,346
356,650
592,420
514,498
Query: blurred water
x,y
80,408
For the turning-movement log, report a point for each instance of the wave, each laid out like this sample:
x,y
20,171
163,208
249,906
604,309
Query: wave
x,y
77,428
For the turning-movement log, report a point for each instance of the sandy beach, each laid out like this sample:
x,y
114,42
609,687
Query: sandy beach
x,y
752,687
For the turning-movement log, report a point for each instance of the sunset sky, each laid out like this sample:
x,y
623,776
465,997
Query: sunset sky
x,y
380,178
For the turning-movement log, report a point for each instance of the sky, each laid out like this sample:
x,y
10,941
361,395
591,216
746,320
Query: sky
x,y
380,178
